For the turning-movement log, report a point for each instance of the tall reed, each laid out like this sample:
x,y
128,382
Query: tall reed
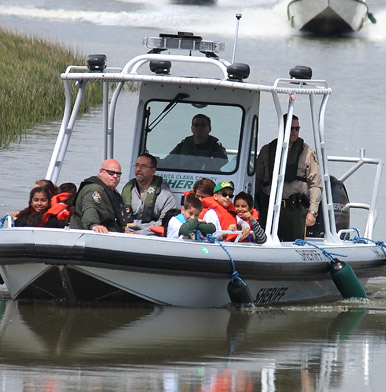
x,y
31,89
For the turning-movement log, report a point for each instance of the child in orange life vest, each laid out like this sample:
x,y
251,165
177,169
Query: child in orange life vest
x,y
244,209
187,221
221,212
62,206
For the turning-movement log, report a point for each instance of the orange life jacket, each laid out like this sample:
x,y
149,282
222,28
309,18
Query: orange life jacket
x,y
189,193
58,208
225,215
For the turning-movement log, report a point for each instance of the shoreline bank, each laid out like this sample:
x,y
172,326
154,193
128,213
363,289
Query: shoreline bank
x,y
32,91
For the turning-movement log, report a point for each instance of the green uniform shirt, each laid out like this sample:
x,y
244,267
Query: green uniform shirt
x,y
93,207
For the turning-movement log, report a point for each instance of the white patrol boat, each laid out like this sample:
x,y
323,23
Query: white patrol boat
x,y
328,17
78,265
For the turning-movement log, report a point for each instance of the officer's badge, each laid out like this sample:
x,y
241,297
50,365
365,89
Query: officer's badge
x,y
96,197
150,190
315,158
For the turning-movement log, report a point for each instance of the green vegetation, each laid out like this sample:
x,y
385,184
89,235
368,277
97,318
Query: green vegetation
x,y
31,89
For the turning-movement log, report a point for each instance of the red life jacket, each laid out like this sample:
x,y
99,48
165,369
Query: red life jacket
x,y
204,208
225,216
255,214
58,208
189,193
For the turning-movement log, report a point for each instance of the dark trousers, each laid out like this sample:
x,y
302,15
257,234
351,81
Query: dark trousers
x,y
292,222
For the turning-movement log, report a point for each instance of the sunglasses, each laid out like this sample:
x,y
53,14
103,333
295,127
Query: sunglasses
x,y
202,125
225,194
297,129
112,172
142,166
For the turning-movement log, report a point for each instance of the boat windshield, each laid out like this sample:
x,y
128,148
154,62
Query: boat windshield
x,y
191,136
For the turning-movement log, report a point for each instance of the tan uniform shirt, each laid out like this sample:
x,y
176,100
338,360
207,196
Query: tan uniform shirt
x,y
308,168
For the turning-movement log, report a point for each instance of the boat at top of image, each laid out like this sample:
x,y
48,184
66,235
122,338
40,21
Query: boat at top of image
x,y
328,17
78,265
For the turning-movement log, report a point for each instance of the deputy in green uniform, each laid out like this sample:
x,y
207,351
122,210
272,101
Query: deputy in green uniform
x,y
302,187
98,205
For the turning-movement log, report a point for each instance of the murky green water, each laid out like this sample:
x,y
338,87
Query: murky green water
x,y
330,347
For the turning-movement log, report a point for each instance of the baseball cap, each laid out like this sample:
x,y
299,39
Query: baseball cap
x,y
222,185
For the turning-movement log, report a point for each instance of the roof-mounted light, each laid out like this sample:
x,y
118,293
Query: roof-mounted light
x,y
182,40
96,62
160,67
300,72
238,71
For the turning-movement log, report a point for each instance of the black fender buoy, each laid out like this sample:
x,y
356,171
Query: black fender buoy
x,y
239,292
345,280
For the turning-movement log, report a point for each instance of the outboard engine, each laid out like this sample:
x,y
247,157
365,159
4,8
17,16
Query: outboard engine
x,y
342,218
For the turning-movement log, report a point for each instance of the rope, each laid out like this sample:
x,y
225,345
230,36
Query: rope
x,y
4,219
358,235
211,238
362,240
329,255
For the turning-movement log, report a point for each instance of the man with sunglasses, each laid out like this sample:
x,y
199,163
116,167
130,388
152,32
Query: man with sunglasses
x,y
146,196
98,206
302,185
208,152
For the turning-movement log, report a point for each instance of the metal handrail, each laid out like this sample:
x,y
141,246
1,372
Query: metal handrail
x,y
358,163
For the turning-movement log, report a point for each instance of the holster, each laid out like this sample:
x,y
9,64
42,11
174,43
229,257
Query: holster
x,y
298,200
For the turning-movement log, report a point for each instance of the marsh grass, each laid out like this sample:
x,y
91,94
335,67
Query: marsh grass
x,y
31,89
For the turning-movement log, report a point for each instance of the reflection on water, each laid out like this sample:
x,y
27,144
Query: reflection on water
x,y
117,348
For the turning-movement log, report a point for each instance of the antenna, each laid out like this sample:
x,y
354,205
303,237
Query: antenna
x,y
238,17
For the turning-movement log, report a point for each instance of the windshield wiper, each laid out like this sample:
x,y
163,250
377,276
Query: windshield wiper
x,y
178,98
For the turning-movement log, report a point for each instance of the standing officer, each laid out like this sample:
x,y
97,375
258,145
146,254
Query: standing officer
x,y
302,187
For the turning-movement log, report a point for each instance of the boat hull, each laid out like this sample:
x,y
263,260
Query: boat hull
x,y
327,17
77,265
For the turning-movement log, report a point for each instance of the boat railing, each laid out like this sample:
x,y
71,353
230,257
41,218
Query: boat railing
x,y
304,86
303,83
226,232
84,68
133,66
371,208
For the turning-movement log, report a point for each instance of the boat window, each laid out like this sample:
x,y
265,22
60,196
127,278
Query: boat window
x,y
179,136
253,147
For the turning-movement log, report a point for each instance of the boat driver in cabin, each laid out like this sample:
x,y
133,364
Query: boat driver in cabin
x,y
200,144
302,185
98,205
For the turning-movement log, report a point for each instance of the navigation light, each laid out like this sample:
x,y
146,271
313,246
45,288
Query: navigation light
x,y
182,40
